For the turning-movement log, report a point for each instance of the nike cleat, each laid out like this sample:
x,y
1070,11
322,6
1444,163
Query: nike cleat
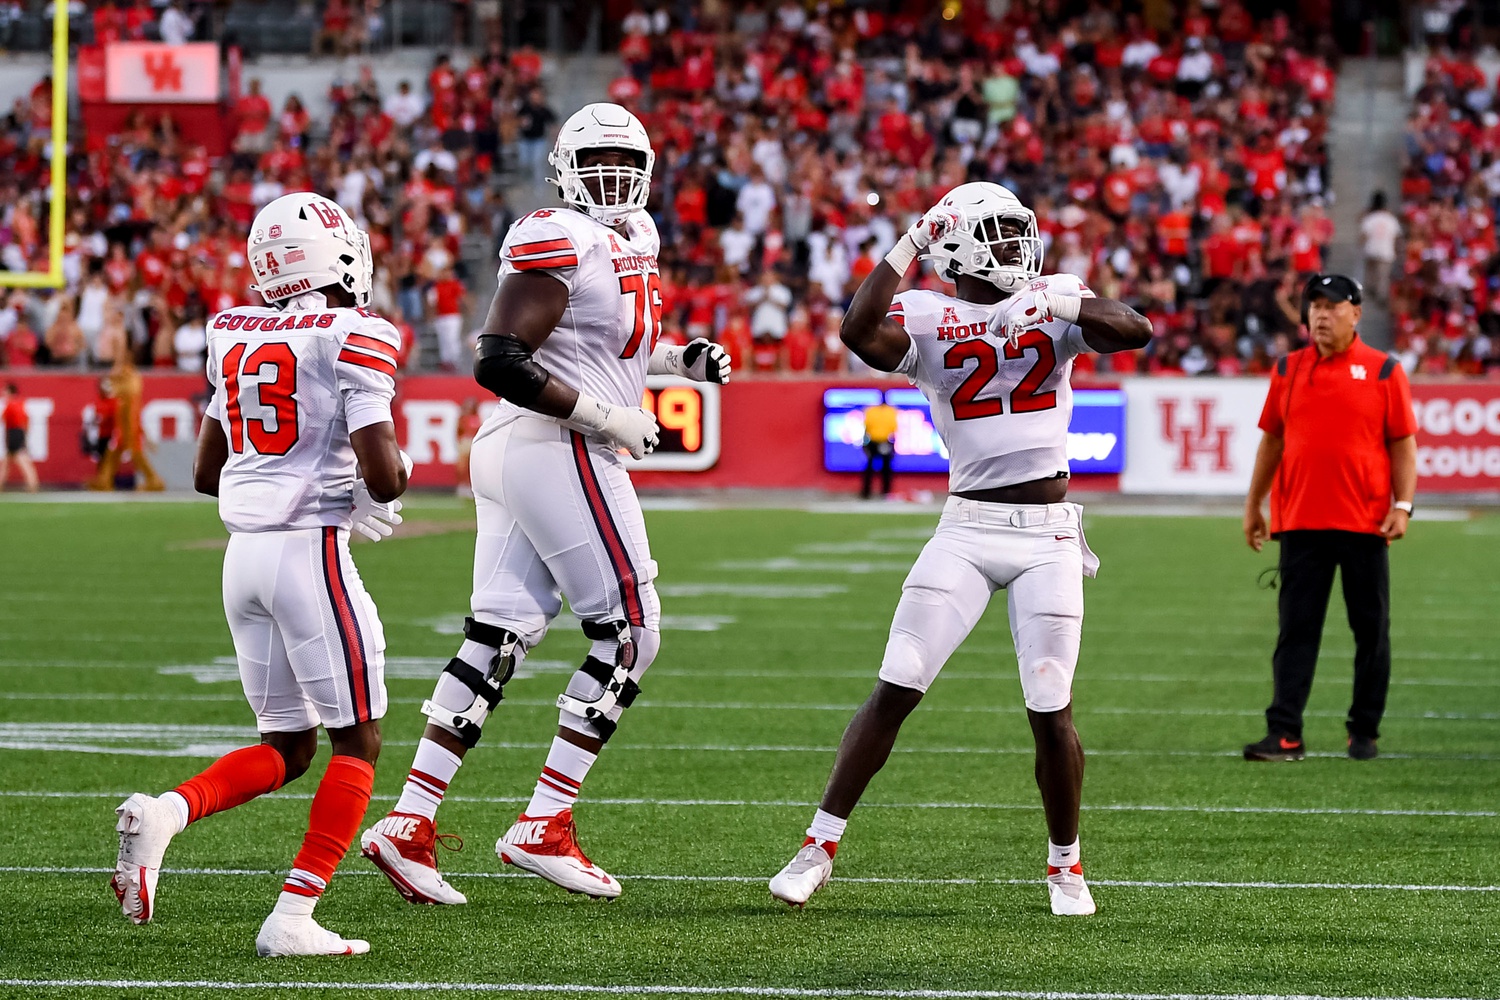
x,y
1276,746
804,875
401,846
547,846
146,826
1069,892
283,935
1363,748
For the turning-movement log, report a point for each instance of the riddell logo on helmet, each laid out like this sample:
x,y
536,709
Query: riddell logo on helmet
x,y
290,288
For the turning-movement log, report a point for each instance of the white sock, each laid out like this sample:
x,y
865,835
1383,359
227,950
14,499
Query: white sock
x,y
176,801
558,785
427,782
827,827
1063,857
292,904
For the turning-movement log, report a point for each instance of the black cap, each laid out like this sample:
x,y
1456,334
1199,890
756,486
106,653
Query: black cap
x,y
1334,288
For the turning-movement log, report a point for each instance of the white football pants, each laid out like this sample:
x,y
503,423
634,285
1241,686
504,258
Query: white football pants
x,y
309,642
557,516
1037,554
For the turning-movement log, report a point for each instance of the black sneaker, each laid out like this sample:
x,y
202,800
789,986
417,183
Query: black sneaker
x,y
1362,748
1276,746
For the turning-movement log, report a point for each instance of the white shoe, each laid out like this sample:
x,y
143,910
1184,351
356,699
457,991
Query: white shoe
x,y
401,846
282,935
804,875
548,846
146,826
1069,892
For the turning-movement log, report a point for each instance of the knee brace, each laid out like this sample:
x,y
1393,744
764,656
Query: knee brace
x,y
606,684
465,694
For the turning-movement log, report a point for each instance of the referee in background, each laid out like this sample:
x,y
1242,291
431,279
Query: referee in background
x,y
1339,459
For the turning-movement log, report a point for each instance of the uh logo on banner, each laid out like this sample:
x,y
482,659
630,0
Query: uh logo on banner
x,y
1193,436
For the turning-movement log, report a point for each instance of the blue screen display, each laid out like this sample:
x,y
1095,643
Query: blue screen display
x,y
1096,434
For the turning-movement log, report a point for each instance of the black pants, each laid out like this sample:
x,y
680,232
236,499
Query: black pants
x,y
877,453
1308,559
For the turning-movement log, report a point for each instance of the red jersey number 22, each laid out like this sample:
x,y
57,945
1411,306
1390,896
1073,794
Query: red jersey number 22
x,y
1025,398
275,430
645,294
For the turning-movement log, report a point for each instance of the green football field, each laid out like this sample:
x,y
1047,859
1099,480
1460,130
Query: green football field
x,y
1213,876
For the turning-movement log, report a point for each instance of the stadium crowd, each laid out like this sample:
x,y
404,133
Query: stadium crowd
x,y
1178,166
1445,291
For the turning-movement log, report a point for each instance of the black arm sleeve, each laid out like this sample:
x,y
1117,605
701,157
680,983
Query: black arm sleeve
x,y
504,366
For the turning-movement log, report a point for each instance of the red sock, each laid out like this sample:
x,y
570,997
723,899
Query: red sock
x,y
337,810
233,780
830,847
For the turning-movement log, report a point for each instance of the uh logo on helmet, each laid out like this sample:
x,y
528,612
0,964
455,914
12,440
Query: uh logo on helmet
x,y
999,241
610,193
304,241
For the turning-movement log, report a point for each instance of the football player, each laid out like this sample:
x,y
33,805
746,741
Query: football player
x,y
299,446
568,343
994,361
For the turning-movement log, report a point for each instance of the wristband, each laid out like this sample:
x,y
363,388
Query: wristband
x,y
902,254
589,413
1403,505
1065,307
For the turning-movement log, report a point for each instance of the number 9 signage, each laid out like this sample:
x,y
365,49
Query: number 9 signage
x,y
688,415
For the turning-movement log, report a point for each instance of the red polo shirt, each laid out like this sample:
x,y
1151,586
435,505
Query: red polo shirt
x,y
1336,416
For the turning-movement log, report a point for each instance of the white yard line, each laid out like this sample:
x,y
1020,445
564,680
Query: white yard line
x,y
869,880
809,804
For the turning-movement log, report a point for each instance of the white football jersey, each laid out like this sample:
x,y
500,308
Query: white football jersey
x,y
603,343
290,385
1002,411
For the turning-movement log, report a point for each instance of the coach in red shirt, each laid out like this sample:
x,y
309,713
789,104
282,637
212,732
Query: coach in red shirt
x,y
1339,460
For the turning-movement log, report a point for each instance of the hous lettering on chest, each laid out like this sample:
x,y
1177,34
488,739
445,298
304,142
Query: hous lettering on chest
x,y
631,263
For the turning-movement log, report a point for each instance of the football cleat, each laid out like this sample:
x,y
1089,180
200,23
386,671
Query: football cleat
x,y
1276,746
804,875
547,846
1363,748
146,826
283,935
1069,892
401,846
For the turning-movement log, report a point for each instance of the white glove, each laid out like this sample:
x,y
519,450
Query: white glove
x,y
626,427
371,518
935,226
1030,310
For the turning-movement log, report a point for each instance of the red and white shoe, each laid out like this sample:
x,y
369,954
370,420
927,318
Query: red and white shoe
x,y
1069,892
804,875
146,826
547,846
401,846
283,935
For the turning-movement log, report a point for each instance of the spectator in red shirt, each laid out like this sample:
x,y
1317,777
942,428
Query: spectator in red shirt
x,y
13,416
447,297
253,116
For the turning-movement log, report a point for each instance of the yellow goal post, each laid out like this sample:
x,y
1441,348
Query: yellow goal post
x,y
57,208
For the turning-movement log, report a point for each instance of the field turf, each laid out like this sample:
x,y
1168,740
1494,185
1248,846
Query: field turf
x,y
1213,876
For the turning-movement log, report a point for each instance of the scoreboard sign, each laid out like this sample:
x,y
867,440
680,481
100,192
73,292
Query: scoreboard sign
x,y
688,415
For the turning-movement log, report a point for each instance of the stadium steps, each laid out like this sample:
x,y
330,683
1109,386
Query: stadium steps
x,y
1365,149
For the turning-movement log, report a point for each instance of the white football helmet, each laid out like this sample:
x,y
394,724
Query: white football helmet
x,y
608,194
979,248
304,241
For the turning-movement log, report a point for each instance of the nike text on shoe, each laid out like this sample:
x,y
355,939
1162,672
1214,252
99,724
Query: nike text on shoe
x,y
283,935
401,846
1069,892
804,875
146,826
1276,746
547,846
1363,748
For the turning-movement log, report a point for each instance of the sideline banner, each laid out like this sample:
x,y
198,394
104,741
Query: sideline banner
x,y
1458,436
1191,436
